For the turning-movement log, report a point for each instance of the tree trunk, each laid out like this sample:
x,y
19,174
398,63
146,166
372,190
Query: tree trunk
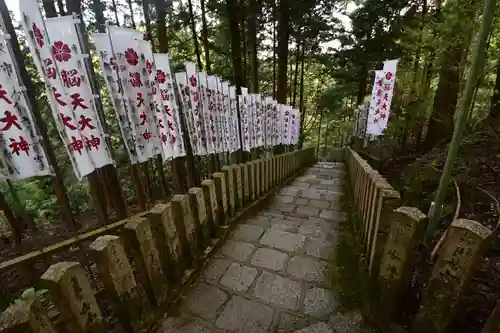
x,y
295,79
50,8
195,38
206,45
252,44
243,43
115,12
363,78
147,21
301,98
131,10
282,51
60,6
161,25
58,183
100,21
445,101
274,48
234,29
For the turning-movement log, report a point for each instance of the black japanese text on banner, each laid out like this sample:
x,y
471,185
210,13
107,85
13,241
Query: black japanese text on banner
x,y
72,108
235,129
226,104
166,86
23,154
132,66
245,119
285,124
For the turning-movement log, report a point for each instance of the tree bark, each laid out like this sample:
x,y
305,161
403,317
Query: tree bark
x,y
131,10
242,16
206,45
363,78
147,21
115,12
161,25
301,98
495,98
282,51
234,29
100,20
440,124
50,8
296,75
274,47
252,44
193,33
60,6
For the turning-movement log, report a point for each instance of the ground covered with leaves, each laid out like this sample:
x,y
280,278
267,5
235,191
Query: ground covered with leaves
x,y
476,175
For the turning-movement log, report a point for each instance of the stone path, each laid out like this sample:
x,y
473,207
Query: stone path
x,y
271,275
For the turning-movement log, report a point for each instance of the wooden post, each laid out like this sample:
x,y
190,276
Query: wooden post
x,y
246,183
184,222
72,293
460,252
211,205
406,228
139,238
197,202
258,175
220,192
228,173
270,174
251,180
167,241
140,191
238,187
26,316
179,174
119,283
263,175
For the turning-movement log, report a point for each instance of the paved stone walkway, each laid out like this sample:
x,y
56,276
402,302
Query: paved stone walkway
x,y
271,275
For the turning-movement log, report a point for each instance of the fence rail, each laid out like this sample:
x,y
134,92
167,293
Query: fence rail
x,y
391,236
95,282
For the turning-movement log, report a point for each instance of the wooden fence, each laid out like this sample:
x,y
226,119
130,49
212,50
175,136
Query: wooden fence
x,y
391,235
125,275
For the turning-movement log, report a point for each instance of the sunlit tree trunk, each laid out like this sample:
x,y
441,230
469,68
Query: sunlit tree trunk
x,y
194,34
115,12
147,21
296,75
252,44
50,8
60,7
131,10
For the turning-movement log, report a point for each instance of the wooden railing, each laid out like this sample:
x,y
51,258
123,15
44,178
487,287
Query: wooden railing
x,y
124,275
391,236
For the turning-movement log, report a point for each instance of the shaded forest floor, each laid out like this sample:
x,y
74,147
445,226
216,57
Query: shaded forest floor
x,y
477,176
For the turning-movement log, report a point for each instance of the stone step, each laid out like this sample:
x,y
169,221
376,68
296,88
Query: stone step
x,y
317,328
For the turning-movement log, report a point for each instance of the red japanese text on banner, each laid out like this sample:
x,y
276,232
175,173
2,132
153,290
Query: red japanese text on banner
x,y
23,153
226,104
244,119
285,125
383,90
209,126
183,89
196,108
214,110
166,86
70,60
134,78
120,103
66,106
251,119
159,113
235,124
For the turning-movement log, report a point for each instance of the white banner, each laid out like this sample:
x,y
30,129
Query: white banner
x,y
120,103
221,107
155,100
23,153
214,109
208,125
251,119
195,111
60,63
183,89
170,108
235,124
258,120
269,121
227,117
245,120
134,76
276,123
294,135
383,90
